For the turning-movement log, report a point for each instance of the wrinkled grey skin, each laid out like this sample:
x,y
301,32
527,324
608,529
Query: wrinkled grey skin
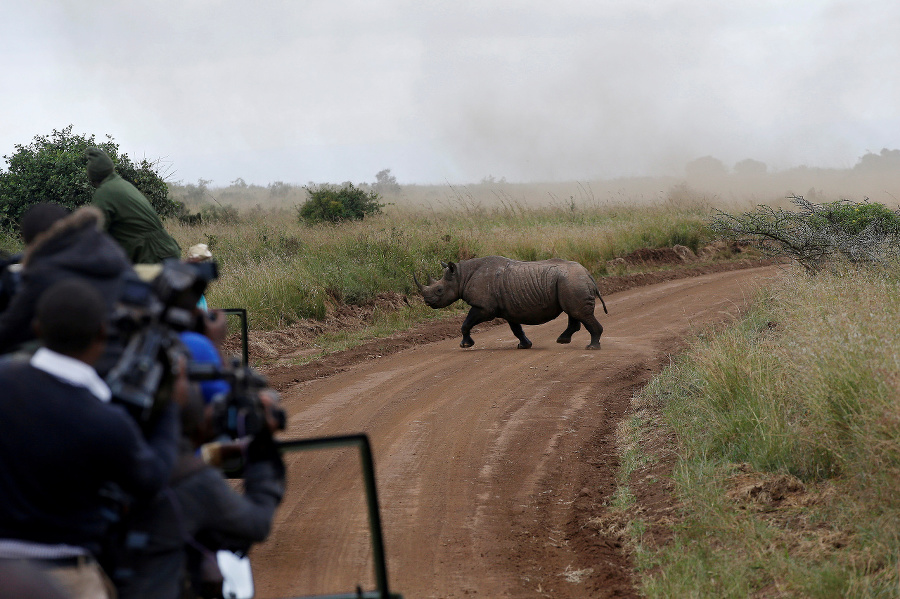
x,y
521,292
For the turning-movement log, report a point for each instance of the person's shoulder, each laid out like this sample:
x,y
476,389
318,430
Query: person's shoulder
x,y
15,363
115,185
112,424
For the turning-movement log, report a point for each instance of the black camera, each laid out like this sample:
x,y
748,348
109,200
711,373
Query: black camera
x,y
240,413
144,343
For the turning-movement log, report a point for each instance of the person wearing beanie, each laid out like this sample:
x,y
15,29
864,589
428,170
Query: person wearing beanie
x,y
129,216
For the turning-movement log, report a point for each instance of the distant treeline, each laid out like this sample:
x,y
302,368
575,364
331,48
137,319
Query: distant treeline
x,y
875,176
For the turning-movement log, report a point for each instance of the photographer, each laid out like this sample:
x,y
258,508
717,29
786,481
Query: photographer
x,y
60,245
64,447
173,539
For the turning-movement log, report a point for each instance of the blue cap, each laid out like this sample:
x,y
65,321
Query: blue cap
x,y
203,351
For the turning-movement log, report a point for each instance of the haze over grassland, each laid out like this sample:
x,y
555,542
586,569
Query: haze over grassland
x,y
875,176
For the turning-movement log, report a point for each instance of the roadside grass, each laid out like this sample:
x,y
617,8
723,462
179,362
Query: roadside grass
x,y
788,428
283,271
382,324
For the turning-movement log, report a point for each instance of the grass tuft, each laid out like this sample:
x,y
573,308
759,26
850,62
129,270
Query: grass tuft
x,y
789,446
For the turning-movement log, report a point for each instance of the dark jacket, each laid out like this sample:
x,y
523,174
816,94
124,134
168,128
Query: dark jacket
x,y
133,222
59,446
73,247
201,506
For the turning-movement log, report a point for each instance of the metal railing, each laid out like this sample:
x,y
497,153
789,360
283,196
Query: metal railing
x,y
361,441
245,345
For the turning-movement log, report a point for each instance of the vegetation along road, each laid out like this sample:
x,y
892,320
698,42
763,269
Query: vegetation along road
x,y
493,463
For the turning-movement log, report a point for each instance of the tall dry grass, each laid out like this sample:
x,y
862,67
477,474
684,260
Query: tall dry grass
x,y
282,270
807,385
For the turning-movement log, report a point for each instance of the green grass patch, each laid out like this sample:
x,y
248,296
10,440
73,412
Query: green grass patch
x,y
805,388
282,270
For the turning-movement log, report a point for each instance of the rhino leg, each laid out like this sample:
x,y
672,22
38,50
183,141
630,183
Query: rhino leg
x,y
475,316
595,329
574,327
524,342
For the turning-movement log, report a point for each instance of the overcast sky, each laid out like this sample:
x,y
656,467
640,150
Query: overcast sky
x,y
454,91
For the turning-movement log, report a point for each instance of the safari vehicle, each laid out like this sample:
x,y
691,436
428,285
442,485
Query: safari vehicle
x,y
237,572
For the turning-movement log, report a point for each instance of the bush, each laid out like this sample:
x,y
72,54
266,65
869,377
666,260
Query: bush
x,y
818,233
327,203
217,213
52,169
853,218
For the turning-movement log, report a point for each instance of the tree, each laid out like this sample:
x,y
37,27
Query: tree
x,y
385,182
817,234
885,161
52,169
706,166
750,168
328,203
279,189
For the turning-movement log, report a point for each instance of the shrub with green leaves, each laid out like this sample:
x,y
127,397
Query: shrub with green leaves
x,y
52,169
855,217
817,234
328,203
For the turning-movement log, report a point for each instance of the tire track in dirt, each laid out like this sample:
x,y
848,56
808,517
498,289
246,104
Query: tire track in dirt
x,y
490,461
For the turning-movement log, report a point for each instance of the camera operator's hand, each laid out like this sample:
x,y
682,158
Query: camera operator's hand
x,y
181,386
275,419
215,326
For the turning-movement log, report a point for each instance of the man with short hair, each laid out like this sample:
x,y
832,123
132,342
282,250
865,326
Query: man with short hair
x,y
130,218
62,444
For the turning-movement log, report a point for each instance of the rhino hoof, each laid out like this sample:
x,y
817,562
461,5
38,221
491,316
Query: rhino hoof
x,y
564,340
465,343
523,346
593,346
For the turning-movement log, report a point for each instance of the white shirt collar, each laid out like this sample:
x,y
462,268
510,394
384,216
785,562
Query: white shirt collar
x,y
72,371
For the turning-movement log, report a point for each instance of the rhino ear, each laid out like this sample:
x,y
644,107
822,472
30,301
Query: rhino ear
x,y
444,264
451,267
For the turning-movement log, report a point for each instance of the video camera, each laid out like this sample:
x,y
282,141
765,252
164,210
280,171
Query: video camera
x,y
144,342
146,347
240,413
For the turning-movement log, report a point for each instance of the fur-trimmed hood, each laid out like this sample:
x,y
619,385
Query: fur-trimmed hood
x,y
83,217
74,246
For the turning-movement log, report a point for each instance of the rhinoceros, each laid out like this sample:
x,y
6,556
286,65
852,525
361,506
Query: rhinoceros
x,y
521,292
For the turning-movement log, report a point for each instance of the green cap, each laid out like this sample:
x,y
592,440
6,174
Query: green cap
x,y
99,164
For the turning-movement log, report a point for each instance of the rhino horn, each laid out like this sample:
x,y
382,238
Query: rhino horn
x,y
418,284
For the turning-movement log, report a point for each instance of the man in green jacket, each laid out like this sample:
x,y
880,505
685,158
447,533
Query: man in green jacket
x,y
129,217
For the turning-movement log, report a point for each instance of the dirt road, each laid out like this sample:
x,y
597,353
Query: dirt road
x,y
490,461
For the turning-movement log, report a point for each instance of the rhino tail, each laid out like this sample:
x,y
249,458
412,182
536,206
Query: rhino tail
x,y
605,311
597,292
